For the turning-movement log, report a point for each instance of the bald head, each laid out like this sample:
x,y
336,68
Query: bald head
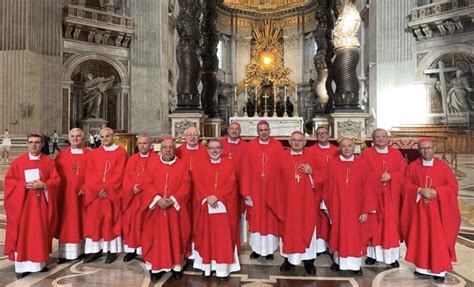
x,y
191,136
346,146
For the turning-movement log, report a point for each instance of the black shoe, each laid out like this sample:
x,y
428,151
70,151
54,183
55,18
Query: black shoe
x,y
22,275
286,266
254,255
439,279
176,274
269,257
309,267
156,276
88,258
358,272
203,275
395,264
223,279
45,269
60,260
370,261
129,257
420,274
334,267
111,257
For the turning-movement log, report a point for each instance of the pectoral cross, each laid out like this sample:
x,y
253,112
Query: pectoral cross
x,y
348,174
230,155
75,168
264,161
297,178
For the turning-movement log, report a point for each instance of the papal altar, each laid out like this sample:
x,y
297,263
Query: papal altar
x,y
280,126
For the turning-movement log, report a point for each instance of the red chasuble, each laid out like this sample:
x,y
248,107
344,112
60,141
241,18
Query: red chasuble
x,y
385,224
322,157
430,228
301,206
236,152
348,197
72,169
31,214
215,234
262,181
166,233
103,215
193,159
132,203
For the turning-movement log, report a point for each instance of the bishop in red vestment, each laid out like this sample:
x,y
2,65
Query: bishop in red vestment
x,y
166,221
301,207
262,187
193,155
215,189
234,148
102,199
133,183
349,204
386,174
71,164
323,152
430,218
31,185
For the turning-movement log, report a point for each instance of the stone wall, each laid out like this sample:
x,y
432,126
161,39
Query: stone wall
x,y
30,61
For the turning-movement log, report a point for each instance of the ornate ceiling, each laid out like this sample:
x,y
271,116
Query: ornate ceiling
x,y
265,6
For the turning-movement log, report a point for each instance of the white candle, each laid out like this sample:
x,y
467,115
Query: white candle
x,y
245,92
285,94
235,94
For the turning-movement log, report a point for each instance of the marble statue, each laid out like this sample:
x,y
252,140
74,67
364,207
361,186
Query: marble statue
x,y
94,91
458,96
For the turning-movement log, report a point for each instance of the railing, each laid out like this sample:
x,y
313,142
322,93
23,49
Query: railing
x,y
438,8
101,17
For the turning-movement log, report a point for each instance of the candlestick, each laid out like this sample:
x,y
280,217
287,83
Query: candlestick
x,y
284,105
235,102
295,113
246,102
255,114
274,101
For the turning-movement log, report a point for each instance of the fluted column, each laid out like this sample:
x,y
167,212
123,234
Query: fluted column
x,y
210,62
187,56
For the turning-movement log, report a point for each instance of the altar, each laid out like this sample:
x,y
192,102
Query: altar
x,y
280,126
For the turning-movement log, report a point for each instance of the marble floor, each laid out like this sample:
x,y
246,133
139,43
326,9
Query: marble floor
x,y
258,272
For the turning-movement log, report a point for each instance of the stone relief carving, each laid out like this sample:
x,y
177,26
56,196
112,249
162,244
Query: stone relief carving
x,y
349,128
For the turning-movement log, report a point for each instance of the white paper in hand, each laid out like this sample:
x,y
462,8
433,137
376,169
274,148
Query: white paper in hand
x,y
220,208
154,202
32,174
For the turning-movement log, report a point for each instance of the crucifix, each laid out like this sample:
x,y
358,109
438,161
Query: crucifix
x,y
443,85
297,178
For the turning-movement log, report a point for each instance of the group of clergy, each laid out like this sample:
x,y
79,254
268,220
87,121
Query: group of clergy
x,y
197,202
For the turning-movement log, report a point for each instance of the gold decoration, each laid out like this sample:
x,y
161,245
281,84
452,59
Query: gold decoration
x,y
266,63
264,6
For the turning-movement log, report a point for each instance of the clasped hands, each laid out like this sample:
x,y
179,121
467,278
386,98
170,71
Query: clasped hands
x,y
428,193
35,184
165,202
212,201
362,218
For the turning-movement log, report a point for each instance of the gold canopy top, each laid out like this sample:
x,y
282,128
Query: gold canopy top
x,y
265,6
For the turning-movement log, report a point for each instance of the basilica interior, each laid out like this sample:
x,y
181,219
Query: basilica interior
x,y
161,66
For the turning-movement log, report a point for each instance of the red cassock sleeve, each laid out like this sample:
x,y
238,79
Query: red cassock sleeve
x,y
129,180
52,185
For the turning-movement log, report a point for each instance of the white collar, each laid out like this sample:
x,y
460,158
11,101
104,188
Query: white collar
x,y
77,151
292,152
346,159
324,146
428,162
381,150
232,141
34,157
144,155
260,141
110,148
191,147
216,161
171,162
